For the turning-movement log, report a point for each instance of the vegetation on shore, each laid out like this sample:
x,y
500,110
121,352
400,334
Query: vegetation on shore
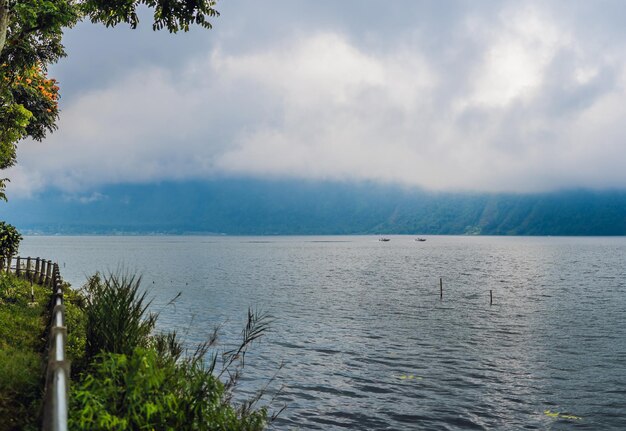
x,y
22,343
125,375
129,377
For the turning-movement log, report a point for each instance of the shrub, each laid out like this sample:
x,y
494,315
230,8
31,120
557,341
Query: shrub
x,y
146,391
117,318
133,379
9,240
75,321
22,329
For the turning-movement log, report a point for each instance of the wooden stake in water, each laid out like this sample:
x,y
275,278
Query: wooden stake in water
x,y
440,288
490,297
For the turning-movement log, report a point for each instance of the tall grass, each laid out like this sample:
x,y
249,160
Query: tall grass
x,y
117,315
22,327
136,379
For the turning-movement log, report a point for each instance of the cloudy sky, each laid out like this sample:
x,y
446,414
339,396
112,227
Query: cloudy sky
x,y
455,95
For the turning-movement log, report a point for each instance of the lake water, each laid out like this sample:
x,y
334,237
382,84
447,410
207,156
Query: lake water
x,y
367,343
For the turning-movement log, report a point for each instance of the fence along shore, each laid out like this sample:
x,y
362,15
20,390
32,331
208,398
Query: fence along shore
x,y
46,273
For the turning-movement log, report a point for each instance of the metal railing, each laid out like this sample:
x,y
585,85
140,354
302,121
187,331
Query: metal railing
x,y
55,402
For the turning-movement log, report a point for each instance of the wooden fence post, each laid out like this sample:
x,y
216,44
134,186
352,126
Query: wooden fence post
x,y
28,268
17,267
36,274
42,272
48,280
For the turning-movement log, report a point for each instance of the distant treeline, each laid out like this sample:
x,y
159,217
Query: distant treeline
x,y
253,207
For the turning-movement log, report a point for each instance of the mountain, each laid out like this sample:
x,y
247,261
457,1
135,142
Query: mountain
x,y
253,207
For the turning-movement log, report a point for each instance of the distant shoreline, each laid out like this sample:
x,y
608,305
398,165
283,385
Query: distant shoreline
x,y
293,235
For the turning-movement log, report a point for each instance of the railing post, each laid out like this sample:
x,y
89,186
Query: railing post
x,y
48,280
55,276
36,274
28,268
17,267
42,272
9,259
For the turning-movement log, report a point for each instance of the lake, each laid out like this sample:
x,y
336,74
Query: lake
x,y
366,342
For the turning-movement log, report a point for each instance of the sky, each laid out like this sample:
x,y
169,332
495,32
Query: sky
x,y
489,96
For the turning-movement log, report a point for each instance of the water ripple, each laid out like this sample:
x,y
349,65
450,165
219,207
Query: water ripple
x,y
365,340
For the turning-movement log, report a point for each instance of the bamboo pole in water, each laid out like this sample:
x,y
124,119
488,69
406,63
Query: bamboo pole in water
x,y
440,288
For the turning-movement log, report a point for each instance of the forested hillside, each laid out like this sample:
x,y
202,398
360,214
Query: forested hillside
x,y
247,207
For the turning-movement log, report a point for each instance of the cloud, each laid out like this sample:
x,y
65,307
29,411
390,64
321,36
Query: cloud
x,y
85,199
510,97
391,117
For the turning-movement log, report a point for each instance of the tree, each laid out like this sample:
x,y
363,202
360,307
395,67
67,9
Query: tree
x,y
31,33
9,241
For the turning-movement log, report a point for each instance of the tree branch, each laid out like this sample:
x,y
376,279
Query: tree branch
x,y
4,22
30,30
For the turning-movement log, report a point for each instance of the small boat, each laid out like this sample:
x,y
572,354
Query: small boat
x,y
420,239
384,239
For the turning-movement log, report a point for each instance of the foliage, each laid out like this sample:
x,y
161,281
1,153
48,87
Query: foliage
x,y
31,33
150,383
28,99
134,379
117,320
9,240
146,391
22,325
21,318
173,15
38,95
76,323
15,118
35,30
20,388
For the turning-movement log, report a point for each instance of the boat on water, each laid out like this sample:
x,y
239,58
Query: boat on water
x,y
420,239
384,239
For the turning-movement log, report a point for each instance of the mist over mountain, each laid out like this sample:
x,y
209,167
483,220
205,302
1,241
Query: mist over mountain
x,y
253,207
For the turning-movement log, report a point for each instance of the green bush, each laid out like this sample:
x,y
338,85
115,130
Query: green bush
x,y
117,317
133,379
76,323
20,388
9,240
22,332
146,391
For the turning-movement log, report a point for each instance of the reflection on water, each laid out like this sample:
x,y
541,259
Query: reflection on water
x,y
367,344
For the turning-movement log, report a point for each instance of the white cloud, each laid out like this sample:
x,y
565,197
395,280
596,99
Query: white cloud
x,y
522,102
516,55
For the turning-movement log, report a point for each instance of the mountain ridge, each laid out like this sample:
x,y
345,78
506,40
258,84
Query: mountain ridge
x,y
275,207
